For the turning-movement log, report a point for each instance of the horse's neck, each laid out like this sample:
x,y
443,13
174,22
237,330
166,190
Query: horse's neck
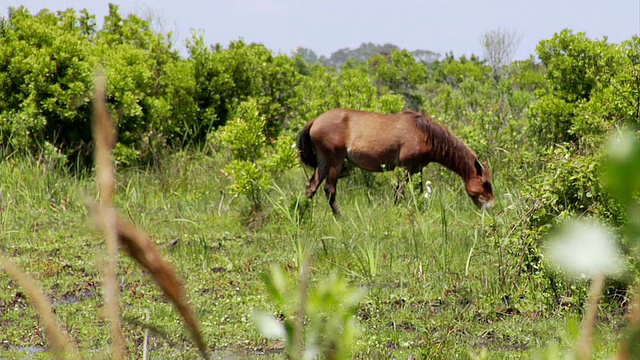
x,y
456,157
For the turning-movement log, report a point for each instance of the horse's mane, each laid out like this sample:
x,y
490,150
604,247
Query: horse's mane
x,y
446,148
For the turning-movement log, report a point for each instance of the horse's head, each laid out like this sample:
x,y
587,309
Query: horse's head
x,y
479,186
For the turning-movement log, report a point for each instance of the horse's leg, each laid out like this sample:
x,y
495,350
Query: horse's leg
x,y
330,188
399,193
316,179
400,188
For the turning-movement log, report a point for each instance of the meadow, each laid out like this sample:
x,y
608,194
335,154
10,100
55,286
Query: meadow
x,y
438,281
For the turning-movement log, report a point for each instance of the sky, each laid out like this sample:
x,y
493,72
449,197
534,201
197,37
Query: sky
x,y
325,26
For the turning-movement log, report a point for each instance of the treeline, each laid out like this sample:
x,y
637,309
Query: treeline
x,y
48,62
361,53
158,98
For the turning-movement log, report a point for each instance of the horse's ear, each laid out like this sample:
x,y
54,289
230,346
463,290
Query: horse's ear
x,y
486,168
479,168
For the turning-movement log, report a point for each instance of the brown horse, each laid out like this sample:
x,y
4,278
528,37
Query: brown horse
x,y
379,142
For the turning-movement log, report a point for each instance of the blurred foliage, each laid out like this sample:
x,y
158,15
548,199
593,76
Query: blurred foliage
x,y
329,328
621,175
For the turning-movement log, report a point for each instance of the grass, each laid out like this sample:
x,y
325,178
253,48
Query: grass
x,y
438,282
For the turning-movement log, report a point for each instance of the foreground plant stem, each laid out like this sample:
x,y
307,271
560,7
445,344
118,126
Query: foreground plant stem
x,y
585,339
625,348
61,344
104,136
300,312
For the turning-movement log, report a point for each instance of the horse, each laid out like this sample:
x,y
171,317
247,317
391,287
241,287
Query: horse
x,y
380,142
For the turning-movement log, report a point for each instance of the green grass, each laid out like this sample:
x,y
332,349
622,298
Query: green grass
x,y
439,280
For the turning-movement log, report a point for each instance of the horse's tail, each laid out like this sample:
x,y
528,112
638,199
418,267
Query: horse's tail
x,y
305,147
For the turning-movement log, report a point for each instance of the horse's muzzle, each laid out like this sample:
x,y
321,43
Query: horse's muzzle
x,y
487,205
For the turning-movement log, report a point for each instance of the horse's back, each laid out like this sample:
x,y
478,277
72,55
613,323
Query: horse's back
x,y
369,140
356,124
330,129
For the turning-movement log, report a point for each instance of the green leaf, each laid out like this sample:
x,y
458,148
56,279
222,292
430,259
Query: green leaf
x,y
276,284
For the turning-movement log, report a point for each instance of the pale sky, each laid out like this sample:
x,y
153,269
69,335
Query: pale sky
x,y
325,26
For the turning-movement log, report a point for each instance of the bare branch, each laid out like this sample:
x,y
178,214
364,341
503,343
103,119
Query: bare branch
x,y
498,47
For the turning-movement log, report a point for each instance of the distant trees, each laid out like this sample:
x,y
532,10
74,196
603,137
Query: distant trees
x,y
362,54
307,55
425,56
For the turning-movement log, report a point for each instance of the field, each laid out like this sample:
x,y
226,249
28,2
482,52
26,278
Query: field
x,y
438,281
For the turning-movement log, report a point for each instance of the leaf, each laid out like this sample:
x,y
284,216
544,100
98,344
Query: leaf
x,y
276,284
622,170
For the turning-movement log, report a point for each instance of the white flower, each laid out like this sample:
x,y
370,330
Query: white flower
x,y
584,248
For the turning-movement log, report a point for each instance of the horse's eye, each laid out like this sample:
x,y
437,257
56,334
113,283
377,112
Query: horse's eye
x,y
487,186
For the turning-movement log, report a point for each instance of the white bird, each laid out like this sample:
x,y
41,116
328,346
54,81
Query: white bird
x,y
428,190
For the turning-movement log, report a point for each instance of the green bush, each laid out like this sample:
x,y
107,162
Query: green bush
x,y
575,105
45,80
254,163
243,135
569,185
47,65
226,77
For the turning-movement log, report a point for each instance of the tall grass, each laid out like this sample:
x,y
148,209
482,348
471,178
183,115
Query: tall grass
x,y
440,281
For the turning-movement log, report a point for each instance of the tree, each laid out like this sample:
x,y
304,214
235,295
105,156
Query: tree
x,y
584,78
425,56
498,46
399,73
226,77
307,55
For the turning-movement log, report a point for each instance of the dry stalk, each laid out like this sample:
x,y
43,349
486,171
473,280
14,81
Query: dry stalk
x,y
300,312
145,345
634,312
624,350
61,344
135,242
104,137
585,339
